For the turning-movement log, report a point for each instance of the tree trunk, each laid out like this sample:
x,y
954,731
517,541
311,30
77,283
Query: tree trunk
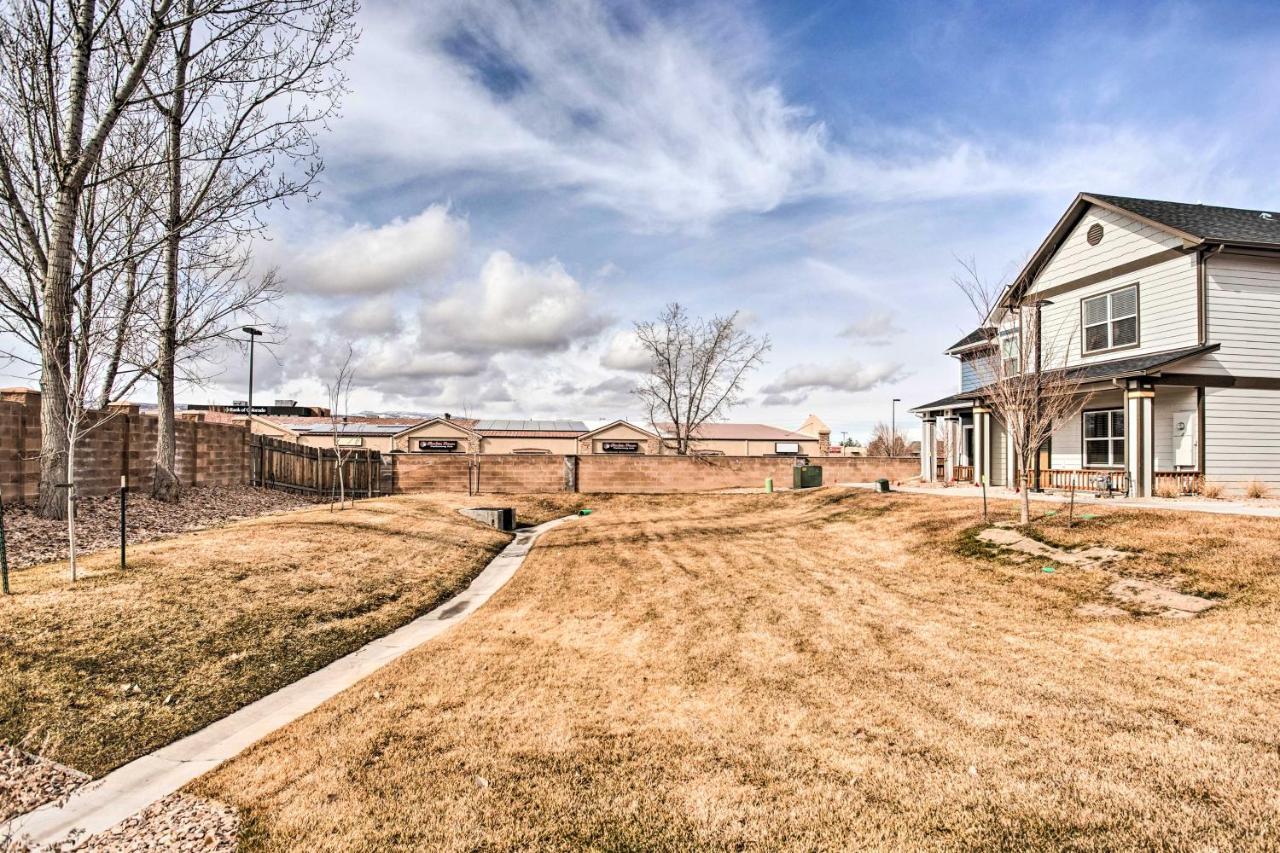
x,y
1026,505
71,508
55,357
165,484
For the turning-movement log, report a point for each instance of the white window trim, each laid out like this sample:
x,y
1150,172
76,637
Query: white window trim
x,y
1111,320
1109,438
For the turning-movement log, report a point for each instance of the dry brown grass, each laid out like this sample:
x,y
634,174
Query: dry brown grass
x,y
1256,489
1213,491
822,670
208,622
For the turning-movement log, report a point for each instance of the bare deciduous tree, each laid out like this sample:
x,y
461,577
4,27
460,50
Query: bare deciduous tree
x,y
696,372
1032,391
886,442
69,72
339,393
248,83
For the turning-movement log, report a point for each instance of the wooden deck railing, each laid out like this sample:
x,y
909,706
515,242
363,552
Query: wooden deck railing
x,y
964,473
1179,482
1084,479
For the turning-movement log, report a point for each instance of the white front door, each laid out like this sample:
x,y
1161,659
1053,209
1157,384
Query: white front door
x,y
1186,452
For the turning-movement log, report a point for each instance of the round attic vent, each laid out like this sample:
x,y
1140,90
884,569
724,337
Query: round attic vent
x,y
1094,235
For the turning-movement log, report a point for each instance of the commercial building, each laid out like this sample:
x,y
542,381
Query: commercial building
x,y
447,434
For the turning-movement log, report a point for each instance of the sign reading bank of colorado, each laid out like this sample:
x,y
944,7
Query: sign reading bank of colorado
x,y
437,445
620,446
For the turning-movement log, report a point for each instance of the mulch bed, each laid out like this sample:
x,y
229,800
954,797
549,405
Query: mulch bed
x,y
32,540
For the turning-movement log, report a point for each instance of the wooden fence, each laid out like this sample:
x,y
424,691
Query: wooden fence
x,y
313,471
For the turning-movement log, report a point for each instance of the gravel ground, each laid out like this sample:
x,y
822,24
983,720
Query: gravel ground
x,y
32,540
28,781
178,822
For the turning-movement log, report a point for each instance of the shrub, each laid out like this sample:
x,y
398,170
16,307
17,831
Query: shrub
x,y
1211,490
1167,490
1256,489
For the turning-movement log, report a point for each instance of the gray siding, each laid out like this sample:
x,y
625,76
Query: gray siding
x,y
1242,437
1167,314
975,371
1124,239
1243,296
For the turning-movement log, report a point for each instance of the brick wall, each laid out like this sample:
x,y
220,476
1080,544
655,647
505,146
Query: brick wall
x,y
629,474
430,472
652,474
120,442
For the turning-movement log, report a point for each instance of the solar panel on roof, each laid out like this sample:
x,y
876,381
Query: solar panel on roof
x,y
559,425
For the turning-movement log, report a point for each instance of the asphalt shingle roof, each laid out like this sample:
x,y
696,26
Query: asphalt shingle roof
x,y
1099,372
974,337
1225,224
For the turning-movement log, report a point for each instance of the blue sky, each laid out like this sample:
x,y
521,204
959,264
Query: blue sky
x,y
513,183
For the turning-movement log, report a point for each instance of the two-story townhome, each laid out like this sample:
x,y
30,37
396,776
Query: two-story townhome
x,y
1166,316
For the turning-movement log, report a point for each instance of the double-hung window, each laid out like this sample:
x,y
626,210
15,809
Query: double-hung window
x,y
1111,320
1104,438
1010,354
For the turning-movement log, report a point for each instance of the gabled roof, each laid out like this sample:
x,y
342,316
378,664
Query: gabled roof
x,y
972,340
453,422
619,422
1204,221
1194,224
814,426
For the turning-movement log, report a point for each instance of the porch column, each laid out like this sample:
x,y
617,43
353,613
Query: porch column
x,y
1139,437
928,451
952,449
981,445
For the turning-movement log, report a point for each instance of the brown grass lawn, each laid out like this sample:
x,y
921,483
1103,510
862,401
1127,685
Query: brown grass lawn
x,y
822,670
207,622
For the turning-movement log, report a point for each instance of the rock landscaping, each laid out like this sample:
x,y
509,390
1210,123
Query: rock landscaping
x,y
32,540
28,781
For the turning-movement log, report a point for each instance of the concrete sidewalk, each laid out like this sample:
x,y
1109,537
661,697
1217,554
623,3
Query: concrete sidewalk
x,y
129,789
1223,507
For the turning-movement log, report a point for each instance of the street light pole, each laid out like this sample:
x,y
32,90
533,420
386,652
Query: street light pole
x,y
253,334
893,426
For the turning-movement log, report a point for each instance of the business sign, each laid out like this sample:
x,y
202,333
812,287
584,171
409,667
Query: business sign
x,y
437,445
786,448
350,441
620,446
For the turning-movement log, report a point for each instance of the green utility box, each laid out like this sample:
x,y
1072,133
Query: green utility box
x,y
806,476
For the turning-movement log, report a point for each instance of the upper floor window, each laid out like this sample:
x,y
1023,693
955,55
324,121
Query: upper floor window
x,y
1010,355
1111,320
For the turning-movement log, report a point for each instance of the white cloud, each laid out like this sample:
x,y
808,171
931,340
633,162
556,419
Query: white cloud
x,y
668,119
513,306
364,259
845,376
625,352
875,329
375,317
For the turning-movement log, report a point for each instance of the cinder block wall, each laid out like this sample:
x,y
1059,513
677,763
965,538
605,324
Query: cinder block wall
x,y
629,474
121,442
653,474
